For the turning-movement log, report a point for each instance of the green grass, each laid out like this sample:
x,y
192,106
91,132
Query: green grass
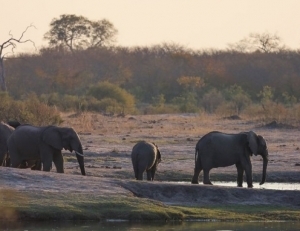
x,y
79,206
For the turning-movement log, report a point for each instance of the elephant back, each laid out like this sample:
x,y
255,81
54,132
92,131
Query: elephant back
x,y
5,129
144,152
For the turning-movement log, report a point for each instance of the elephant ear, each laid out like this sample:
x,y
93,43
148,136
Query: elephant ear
x,y
252,140
262,142
52,137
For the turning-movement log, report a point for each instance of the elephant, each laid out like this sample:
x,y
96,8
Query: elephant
x,y
5,132
217,149
145,156
10,126
31,146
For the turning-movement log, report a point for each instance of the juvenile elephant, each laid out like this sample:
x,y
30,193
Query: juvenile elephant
x,y
30,145
145,156
217,149
5,132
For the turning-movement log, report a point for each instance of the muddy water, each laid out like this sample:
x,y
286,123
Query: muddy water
x,y
276,186
128,226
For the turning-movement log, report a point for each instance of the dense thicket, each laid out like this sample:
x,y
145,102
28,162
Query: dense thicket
x,y
152,74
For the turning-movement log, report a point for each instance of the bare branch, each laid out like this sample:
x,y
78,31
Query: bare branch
x,y
12,42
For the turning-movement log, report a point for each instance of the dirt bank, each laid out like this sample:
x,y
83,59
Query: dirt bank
x,y
108,142
170,193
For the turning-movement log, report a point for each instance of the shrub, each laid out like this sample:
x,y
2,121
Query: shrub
x,y
30,111
166,109
108,93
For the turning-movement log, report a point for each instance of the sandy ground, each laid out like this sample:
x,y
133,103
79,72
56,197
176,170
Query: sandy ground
x,y
108,142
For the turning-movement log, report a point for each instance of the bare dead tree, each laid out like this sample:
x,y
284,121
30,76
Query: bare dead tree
x,y
10,44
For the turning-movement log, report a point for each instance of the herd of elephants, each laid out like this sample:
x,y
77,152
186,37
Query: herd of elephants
x,y
27,146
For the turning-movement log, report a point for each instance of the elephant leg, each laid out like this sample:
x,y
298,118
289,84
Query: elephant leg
x,y
135,172
153,169
140,175
6,161
37,165
14,158
149,175
240,174
15,163
58,161
206,176
136,175
195,179
24,164
47,164
248,170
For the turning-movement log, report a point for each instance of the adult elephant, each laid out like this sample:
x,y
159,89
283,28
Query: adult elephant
x,y
5,132
145,156
217,149
30,144
33,164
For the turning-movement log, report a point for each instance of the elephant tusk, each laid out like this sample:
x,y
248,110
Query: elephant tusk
x,y
79,154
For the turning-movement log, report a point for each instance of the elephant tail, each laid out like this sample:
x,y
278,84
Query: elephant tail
x,y
196,155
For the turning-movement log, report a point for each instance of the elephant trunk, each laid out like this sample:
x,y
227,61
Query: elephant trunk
x,y
80,159
264,173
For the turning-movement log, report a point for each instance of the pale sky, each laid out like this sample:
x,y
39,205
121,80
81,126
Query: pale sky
x,y
195,24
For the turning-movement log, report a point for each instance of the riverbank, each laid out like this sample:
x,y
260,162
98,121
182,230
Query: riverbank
x,y
109,191
31,195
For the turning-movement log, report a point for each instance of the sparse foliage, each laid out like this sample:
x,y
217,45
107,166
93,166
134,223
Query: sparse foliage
x,y
211,100
264,42
11,45
238,97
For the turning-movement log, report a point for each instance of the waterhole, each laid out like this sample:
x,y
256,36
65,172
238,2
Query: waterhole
x,y
266,185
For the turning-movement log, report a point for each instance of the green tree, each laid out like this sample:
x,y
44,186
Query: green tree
x,y
120,99
289,99
211,100
266,96
238,98
187,102
77,32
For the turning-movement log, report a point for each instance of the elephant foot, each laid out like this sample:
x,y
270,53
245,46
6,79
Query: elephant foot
x,y
250,186
207,182
195,179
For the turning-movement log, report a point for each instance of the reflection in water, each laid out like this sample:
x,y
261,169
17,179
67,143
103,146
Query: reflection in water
x,y
147,226
267,185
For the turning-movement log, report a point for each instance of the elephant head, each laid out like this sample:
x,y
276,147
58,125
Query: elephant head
x,y
65,138
258,146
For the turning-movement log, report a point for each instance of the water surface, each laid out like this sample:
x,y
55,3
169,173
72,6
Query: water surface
x,y
267,185
147,226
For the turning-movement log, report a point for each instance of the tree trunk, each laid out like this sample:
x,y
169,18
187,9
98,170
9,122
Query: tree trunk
x,y
2,76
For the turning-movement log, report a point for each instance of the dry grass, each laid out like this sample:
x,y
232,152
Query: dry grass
x,y
108,142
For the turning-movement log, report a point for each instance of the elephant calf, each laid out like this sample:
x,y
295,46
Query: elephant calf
x,y
145,156
217,149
